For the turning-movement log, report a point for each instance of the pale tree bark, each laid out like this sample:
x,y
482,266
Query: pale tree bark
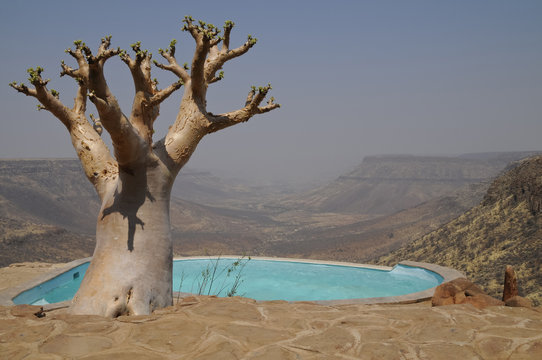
x,y
130,272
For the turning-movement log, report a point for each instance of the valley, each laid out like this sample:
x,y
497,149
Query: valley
x,y
371,214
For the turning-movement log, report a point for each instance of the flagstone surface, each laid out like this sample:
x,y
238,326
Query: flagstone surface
x,y
239,328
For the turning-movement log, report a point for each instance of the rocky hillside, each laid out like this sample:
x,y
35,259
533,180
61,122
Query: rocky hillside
x,y
48,191
382,185
505,229
22,241
47,211
363,241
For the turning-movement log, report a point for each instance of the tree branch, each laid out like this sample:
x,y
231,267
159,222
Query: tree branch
x,y
254,99
22,88
66,70
193,121
98,164
145,107
49,99
139,67
95,158
206,36
228,25
217,78
85,60
77,54
80,101
127,143
104,52
174,67
217,58
97,124
164,93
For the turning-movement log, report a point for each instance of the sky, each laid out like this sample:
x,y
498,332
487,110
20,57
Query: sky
x,y
354,78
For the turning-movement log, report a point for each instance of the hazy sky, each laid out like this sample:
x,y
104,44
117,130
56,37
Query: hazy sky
x,y
354,78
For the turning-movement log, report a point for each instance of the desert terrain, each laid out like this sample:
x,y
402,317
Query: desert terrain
x,y
475,213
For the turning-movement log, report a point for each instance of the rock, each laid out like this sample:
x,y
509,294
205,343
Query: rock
x,y
518,301
28,311
462,291
481,301
445,294
455,292
510,284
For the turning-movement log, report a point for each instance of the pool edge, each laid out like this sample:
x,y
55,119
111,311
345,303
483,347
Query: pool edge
x,y
306,261
7,295
448,274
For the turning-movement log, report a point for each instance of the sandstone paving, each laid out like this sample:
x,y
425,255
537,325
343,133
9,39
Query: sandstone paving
x,y
238,328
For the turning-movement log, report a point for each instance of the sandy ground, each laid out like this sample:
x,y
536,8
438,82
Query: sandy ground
x,y
238,328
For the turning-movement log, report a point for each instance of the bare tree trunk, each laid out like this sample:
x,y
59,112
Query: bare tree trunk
x,y
130,272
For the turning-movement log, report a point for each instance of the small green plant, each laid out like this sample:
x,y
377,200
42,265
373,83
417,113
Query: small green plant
x,y
215,272
239,265
180,286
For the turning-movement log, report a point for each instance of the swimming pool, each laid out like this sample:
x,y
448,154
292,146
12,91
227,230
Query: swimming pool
x,y
263,280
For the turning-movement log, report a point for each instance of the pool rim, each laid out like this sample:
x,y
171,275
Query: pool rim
x,y
448,274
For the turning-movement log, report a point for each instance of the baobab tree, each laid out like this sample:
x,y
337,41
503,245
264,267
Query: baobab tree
x,y
131,269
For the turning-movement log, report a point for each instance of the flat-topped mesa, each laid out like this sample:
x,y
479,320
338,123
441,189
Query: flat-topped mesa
x,y
131,268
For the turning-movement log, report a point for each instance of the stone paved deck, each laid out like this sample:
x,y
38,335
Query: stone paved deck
x,y
238,328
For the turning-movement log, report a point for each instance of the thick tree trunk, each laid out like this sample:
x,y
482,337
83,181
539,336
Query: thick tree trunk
x,y
130,273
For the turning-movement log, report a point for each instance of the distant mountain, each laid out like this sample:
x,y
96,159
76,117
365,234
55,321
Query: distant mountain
x,y
505,229
202,187
382,185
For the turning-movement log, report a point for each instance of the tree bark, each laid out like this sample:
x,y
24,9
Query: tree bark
x,y
130,272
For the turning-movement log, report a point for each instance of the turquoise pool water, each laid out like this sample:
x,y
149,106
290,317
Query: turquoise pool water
x,y
263,280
